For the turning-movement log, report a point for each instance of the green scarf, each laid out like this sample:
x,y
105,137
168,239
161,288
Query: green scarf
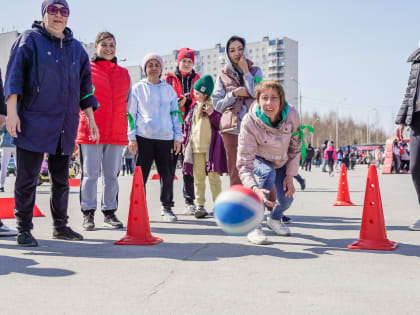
x,y
260,114
302,136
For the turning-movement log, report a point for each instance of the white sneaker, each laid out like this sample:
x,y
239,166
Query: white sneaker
x,y
6,231
278,227
190,209
415,226
257,236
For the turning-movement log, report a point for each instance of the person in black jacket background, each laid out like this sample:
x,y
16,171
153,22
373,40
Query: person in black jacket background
x,y
4,230
409,115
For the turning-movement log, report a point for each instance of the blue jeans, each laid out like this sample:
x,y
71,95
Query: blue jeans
x,y
269,176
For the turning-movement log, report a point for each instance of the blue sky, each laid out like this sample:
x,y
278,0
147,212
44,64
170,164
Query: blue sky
x,y
347,49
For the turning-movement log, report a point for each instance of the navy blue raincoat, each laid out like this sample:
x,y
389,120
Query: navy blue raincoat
x,y
52,79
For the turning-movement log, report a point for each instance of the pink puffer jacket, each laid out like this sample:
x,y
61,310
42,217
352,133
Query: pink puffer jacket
x,y
276,145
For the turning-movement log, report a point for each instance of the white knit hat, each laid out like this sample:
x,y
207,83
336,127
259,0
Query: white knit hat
x,y
149,57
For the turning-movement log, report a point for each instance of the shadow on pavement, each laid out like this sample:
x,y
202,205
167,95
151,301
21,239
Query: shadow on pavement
x,y
28,267
334,223
91,248
329,245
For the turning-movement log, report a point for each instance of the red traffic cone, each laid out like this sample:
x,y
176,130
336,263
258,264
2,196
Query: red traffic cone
x,y
343,196
155,177
7,207
138,227
372,230
74,182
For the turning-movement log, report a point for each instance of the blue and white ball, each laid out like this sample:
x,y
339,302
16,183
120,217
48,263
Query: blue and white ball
x,y
238,210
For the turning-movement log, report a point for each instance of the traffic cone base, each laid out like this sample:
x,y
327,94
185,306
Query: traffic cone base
x,y
343,203
130,240
373,245
343,195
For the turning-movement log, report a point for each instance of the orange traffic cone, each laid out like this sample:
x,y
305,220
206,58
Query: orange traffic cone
x,y
372,230
138,227
343,196
156,176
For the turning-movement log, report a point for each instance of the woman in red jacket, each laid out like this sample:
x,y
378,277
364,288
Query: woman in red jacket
x,y
111,88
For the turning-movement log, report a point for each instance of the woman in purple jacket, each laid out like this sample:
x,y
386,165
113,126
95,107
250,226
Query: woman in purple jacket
x,y
204,152
48,81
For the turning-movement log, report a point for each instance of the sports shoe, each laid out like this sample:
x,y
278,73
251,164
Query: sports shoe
x,y
112,221
286,220
168,215
415,226
257,236
200,213
6,231
278,227
66,233
25,239
303,184
2,189
190,209
88,220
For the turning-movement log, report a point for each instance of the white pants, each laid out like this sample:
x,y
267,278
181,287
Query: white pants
x,y
7,152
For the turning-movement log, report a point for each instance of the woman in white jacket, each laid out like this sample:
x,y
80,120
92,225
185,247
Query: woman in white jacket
x,y
155,128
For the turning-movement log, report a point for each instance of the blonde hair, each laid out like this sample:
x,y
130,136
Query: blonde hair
x,y
271,84
200,106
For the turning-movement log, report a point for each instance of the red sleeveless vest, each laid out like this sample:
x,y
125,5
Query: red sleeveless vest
x,y
112,84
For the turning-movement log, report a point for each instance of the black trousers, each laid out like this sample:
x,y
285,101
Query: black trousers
x,y
308,164
415,152
29,164
129,165
188,188
161,152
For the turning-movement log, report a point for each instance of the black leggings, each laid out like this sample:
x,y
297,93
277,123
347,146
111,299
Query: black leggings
x,y
161,152
415,152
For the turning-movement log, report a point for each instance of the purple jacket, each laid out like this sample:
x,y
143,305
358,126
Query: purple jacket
x,y
216,157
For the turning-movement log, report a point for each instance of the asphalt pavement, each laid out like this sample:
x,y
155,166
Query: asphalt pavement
x,y
198,269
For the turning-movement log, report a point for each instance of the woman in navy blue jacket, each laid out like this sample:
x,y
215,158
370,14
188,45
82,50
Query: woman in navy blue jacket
x,y
48,81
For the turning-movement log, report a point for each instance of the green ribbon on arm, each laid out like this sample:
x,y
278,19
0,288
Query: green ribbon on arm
x,y
179,113
90,94
131,121
302,137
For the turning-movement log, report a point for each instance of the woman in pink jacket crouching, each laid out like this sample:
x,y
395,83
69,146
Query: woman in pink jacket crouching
x,y
269,147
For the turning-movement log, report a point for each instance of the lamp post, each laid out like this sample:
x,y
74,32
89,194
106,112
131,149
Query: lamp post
x,y
336,123
300,96
368,123
312,134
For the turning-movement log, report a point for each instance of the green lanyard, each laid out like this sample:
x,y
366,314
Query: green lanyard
x,y
302,137
179,113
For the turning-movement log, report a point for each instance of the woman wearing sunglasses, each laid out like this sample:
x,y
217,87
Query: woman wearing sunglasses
x,y
48,81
